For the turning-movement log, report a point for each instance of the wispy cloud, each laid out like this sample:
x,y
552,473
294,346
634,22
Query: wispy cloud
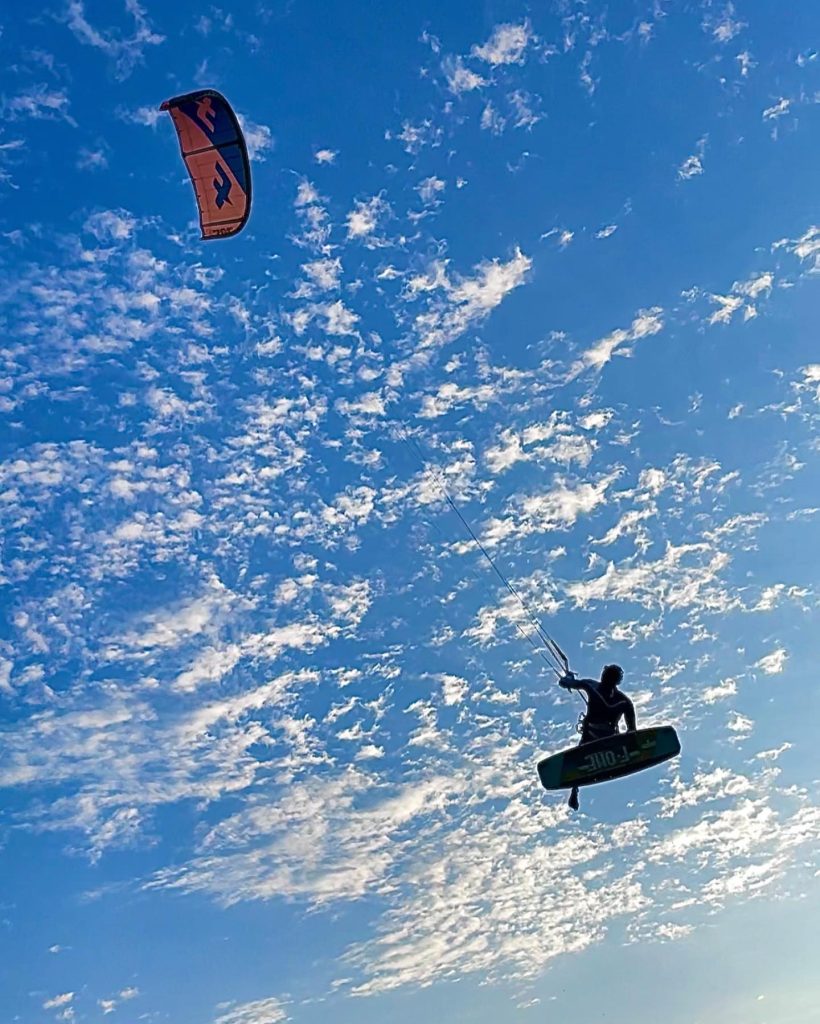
x,y
124,52
507,45
774,662
260,1011
461,79
647,323
723,25
39,102
692,166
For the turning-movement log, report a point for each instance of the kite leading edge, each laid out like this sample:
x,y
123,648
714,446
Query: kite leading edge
x,y
216,156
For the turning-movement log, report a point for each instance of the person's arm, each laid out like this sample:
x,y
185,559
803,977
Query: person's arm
x,y
629,715
569,682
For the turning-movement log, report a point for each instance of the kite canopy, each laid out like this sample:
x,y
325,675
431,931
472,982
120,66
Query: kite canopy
x,y
216,156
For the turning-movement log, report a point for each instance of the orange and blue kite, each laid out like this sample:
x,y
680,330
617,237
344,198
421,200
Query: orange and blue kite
x,y
216,156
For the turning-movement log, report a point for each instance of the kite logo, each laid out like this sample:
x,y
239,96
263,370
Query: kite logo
x,y
223,186
206,113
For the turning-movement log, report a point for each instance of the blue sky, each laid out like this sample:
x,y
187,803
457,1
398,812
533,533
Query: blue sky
x,y
269,725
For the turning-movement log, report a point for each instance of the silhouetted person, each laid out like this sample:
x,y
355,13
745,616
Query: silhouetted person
x,y
606,705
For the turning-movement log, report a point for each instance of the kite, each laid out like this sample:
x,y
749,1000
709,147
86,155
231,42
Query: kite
x,y
216,156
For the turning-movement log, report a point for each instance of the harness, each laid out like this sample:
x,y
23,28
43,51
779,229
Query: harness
x,y
594,727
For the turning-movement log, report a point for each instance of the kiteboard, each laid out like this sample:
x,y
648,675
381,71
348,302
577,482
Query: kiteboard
x,y
609,758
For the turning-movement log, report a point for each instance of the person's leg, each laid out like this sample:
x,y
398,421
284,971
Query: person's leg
x,y
587,736
573,795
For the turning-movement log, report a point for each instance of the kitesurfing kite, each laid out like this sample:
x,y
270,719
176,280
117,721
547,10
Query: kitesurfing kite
x,y
216,156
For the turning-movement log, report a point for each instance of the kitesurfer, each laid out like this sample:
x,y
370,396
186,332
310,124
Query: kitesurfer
x,y
606,705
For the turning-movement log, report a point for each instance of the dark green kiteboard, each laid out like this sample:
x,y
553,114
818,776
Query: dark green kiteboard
x,y
609,758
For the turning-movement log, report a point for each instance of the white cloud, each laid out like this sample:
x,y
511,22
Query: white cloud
x,y
728,306
555,440
746,63
430,189
147,116
92,160
6,667
171,626
493,282
58,1001
807,247
724,26
465,300
364,219
741,298
322,840
258,137
461,79
369,752
111,225
450,395
492,120
774,753
507,44
692,166
415,137
722,690
324,274
125,52
338,319
557,508
760,284
369,404
741,725
685,576
771,596
777,110
773,663
260,1011
39,102
706,786
454,688
523,104
647,323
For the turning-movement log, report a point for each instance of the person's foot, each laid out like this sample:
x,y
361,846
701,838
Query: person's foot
x,y
573,800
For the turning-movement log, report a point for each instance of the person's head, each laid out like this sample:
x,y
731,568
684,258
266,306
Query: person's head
x,y
611,676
